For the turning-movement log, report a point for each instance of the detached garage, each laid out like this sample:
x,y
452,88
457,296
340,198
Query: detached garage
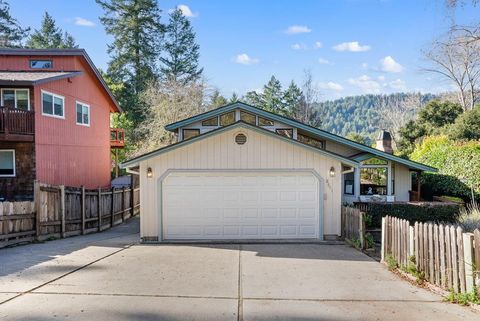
x,y
215,187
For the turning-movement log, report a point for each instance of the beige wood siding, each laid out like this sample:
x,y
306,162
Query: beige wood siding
x,y
221,152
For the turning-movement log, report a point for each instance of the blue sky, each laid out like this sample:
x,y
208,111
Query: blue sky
x,y
351,46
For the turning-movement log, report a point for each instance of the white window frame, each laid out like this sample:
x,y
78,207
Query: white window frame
x,y
14,164
83,105
15,95
53,101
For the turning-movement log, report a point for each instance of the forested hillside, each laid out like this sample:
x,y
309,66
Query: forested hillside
x,y
365,114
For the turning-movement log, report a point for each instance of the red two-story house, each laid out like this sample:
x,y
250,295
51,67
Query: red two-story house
x,y
54,121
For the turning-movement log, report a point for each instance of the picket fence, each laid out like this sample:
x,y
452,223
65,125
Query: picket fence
x,y
445,254
353,225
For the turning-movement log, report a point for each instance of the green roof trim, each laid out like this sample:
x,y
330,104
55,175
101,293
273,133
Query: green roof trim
x,y
294,123
238,124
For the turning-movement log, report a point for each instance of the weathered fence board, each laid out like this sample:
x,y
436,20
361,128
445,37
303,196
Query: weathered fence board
x,y
60,211
353,225
444,253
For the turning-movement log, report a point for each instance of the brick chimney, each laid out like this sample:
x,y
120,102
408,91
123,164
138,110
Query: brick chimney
x,y
384,142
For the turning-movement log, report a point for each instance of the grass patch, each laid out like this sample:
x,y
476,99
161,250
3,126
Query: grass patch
x,y
463,298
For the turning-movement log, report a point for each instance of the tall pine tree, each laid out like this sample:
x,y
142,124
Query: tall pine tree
x,y
180,59
137,35
50,36
11,33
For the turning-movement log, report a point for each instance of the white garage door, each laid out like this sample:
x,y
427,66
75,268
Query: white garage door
x,y
240,205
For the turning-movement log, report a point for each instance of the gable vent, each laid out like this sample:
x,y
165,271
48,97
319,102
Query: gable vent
x,y
240,139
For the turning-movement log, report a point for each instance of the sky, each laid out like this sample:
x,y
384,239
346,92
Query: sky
x,y
351,47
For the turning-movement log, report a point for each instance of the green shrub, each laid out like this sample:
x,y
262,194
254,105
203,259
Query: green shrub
x,y
391,262
469,218
458,165
466,126
418,212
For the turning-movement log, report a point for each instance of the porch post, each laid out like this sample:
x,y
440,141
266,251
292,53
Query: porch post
x,y
356,185
419,185
389,178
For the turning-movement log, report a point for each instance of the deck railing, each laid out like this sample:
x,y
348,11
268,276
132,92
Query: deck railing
x,y
117,137
15,121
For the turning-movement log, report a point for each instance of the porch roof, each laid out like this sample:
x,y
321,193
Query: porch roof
x,y
28,78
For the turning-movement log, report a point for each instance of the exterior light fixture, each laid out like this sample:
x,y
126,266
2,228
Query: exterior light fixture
x,y
149,172
332,171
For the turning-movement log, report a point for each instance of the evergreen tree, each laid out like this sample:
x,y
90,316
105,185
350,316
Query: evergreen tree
x,y
50,36
11,33
217,100
234,98
137,34
293,98
180,60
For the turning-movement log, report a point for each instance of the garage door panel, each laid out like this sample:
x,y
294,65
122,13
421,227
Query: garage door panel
x,y
240,205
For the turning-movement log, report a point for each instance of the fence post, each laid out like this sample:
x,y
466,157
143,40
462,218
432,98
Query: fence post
x,y
112,208
62,210
36,198
132,198
382,251
99,209
468,258
123,203
411,243
83,209
362,230
477,257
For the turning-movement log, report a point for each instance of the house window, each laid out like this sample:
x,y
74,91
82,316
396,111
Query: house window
x,y
189,133
16,98
349,183
83,114
373,181
287,132
53,105
264,122
7,163
227,119
311,141
210,122
41,64
248,118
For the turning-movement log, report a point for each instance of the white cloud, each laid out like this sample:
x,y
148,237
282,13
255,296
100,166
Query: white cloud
x,y
245,59
364,65
297,29
388,64
381,78
331,86
299,46
366,84
324,61
352,46
79,21
186,11
318,45
398,84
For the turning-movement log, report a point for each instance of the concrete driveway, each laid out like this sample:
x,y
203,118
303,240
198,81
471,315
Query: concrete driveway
x,y
104,277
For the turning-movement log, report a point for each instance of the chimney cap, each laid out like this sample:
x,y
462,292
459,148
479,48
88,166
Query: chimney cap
x,y
384,135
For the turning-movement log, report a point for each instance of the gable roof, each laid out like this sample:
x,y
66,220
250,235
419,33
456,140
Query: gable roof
x,y
64,52
238,124
25,78
294,123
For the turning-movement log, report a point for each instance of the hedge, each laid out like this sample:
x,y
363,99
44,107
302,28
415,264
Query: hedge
x,y
418,212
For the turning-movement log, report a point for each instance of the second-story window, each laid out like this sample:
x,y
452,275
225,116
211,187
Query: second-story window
x,y
41,64
53,105
16,98
83,114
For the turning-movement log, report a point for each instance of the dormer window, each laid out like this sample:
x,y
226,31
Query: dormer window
x,y
311,141
265,122
287,132
41,64
227,119
210,122
248,118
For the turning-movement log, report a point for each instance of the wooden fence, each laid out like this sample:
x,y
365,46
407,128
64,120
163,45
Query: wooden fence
x,y
353,225
60,211
443,253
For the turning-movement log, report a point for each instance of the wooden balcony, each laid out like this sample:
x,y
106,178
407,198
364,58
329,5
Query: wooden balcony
x,y
117,138
17,125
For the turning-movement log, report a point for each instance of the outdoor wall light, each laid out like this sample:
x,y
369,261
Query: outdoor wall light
x,y
149,172
332,171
